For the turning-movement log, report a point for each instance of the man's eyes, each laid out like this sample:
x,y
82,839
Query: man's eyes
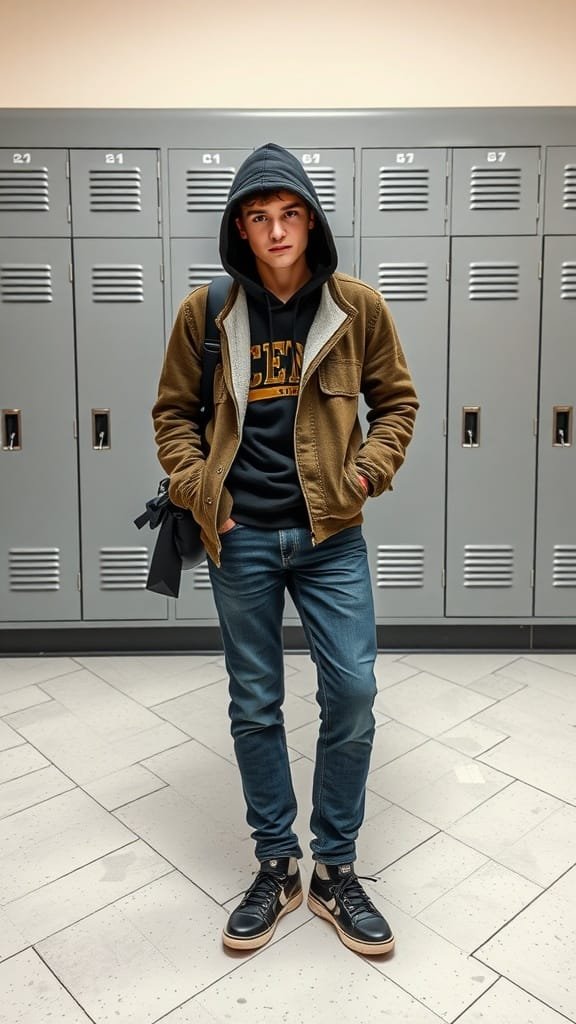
x,y
259,217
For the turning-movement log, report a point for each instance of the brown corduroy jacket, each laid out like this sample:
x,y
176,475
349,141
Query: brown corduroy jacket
x,y
352,348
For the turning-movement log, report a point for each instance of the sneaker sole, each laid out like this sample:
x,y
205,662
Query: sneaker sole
x,y
369,948
255,941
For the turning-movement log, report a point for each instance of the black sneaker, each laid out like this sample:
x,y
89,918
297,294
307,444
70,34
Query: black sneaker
x,y
272,894
341,900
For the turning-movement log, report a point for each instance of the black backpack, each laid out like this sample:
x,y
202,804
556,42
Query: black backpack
x,y
218,292
178,545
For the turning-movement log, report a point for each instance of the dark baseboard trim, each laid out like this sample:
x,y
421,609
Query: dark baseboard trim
x,y
196,639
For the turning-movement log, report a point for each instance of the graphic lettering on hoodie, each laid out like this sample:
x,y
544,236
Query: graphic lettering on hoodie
x,y
263,479
276,369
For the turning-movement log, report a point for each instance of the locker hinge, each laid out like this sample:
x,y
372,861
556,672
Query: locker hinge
x,y
539,270
158,169
75,428
444,578
448,270
444,427
539,165
67,168
537,211
70,273
161,271
532,575
535,426
69,213
78,581
159,215
446,211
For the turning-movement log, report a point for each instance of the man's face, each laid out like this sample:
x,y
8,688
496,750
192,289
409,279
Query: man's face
x,y
277,229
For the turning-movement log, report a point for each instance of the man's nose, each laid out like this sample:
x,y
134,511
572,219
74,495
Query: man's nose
x,y
277,230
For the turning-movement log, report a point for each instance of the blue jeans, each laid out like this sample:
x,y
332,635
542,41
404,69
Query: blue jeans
x,y
330,586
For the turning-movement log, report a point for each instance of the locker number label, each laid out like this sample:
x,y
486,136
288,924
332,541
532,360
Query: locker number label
x,y
404,158
310,158
496,156
211,158
21,158
114,158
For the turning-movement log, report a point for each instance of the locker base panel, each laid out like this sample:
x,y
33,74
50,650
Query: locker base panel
x,y
401,637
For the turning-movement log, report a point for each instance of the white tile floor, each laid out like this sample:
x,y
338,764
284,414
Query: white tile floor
x,y
123,846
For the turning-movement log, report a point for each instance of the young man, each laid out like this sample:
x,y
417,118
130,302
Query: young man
x,y
279,498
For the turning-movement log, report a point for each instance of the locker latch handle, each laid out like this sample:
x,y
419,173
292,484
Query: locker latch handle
x,y
101,429
471,426
11,430
562,426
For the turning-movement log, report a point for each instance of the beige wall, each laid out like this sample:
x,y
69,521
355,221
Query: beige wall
x,y
303,53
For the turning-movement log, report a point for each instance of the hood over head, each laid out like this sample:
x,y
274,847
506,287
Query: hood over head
x,y
271,167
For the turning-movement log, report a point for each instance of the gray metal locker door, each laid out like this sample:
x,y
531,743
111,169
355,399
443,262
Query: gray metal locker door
x,y
196,600
331,171
34,194
345,247
405,527
560,201
115,193
120,348
199,185
195,261
39,555
495,191
556,516
404,192
495,302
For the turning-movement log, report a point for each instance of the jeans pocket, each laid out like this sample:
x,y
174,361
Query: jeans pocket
x,y
234,529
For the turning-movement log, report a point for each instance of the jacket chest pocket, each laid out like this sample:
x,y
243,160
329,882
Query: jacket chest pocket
x,y
340,377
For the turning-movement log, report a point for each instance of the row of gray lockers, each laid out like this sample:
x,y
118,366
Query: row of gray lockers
x,y
481,521
419,191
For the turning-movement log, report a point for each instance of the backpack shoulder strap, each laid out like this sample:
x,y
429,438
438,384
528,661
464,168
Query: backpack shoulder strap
x,y
218,292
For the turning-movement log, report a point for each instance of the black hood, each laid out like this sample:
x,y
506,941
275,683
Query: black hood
x,y
273,167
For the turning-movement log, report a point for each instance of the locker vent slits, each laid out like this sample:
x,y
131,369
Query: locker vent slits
x,y
324,181
565,565
116,190
26,282
569,197
403,281
202,577
400,565
203,273
117,282
488,565
404,189
568,288
123,568
34,569
495,188
207,188
497,280
24,190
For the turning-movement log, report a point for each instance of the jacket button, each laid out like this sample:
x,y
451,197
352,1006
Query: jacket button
x,y
208,501
219,469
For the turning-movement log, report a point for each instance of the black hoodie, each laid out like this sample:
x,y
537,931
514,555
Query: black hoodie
x,y
263,479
